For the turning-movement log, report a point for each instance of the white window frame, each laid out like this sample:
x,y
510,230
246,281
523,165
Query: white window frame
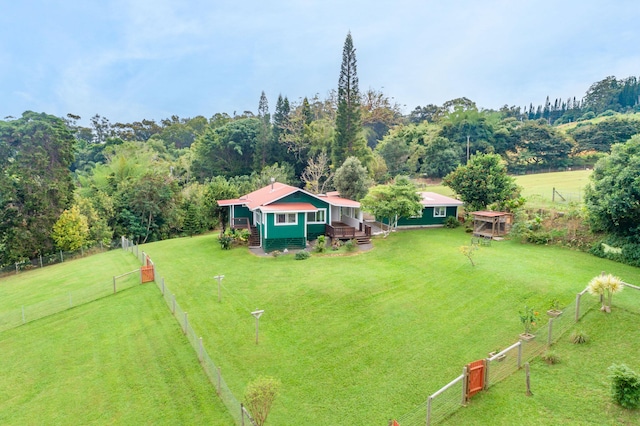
x,y
288,216
315,219
440,211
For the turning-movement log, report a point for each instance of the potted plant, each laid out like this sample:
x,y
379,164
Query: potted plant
x,y
529,319
496,352
554,308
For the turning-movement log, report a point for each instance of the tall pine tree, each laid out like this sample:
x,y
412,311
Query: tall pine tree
x,y
348,140
262,143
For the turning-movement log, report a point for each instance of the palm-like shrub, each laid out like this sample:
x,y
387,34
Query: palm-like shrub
x,y
605,283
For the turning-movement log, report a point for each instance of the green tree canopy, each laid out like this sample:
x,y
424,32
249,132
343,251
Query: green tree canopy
x,y
393,201
36,152
539,144
601,135
483,181
352,179
613,194
441,157
71,230
227,150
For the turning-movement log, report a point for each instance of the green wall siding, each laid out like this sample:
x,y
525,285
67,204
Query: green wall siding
x,y
313,231
301,197
285,231
427,218
242,211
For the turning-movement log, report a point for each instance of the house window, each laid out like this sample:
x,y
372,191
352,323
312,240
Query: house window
x,y
440,211
316,217
286,219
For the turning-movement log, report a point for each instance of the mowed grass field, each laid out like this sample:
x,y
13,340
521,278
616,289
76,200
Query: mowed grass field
x,y
361,339
537,189
119,360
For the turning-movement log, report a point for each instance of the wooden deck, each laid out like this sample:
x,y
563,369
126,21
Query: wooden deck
x,y
342,231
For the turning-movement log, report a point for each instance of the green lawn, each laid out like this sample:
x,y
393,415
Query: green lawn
x,y
575,391
37,285
119,360
358,340
538,188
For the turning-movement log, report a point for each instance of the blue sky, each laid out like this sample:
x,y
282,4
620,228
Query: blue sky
x,y
133,59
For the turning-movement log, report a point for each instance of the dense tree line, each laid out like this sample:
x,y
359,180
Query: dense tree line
x,y
152,180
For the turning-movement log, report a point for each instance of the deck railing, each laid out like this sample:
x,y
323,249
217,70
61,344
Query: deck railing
x,y
240,222
340,231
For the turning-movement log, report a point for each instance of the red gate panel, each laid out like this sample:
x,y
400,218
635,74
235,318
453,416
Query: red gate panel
x,y
146,273
475,377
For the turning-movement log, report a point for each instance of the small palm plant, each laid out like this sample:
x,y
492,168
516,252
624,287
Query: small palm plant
x,y
605,283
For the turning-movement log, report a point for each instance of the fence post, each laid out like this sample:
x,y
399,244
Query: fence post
x,y
61,256
16,268
520,354
186,322
201,349
41,261
550,336
429,409
162,280
578,306
242,414
219,381
465,384
487,364
528,380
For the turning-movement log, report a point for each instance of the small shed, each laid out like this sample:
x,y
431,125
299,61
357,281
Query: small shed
x,y
491,224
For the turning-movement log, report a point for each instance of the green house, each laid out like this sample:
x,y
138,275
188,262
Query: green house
x,y
281,216
436,209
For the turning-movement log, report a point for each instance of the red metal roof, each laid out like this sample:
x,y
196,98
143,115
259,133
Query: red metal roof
x,y
272,193
262,196
289,207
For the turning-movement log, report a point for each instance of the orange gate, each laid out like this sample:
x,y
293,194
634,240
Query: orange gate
x,y
146,272
475,377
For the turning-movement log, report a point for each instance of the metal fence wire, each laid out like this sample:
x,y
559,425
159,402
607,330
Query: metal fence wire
x,y
448,399
439,405
239,413
26,313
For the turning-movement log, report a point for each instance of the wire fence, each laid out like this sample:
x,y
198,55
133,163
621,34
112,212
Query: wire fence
x,y
441,404
566,196
240,414
498,366
23,314
51,259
